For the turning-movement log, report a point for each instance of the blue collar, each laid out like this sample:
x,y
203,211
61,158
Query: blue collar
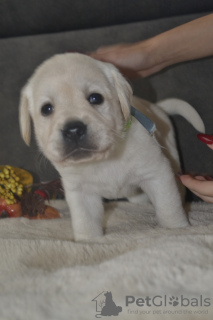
x,y
144,120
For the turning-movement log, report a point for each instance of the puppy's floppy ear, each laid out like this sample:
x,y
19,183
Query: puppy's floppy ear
x,y
24,116
124,91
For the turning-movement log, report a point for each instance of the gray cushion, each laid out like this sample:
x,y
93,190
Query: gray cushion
x,y
18,18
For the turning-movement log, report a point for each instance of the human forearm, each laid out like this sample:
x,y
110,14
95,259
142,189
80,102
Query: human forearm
x,y
190,41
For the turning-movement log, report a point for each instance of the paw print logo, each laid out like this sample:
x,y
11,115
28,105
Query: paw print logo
x,y
173,301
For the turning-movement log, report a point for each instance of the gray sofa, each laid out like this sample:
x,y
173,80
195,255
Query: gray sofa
x,y
32,31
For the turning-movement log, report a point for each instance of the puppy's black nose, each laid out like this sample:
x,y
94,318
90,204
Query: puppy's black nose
x,y
74,130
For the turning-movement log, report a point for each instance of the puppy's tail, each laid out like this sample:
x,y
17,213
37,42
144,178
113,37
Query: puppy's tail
x,y
176,106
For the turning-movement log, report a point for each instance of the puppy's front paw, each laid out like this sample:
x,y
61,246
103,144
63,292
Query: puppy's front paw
x,y
85,235
175,220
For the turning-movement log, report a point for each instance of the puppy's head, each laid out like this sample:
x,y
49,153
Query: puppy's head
x,y
78,106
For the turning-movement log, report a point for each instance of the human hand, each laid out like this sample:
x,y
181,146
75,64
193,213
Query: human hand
x,y
133,60
199,185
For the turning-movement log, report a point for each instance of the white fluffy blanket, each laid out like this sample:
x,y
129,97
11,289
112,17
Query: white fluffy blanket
x,y
45,275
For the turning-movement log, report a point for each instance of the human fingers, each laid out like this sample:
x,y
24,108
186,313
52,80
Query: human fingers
x,y
198,185
207,139
110,48
204,198
210,146
131,59
114,54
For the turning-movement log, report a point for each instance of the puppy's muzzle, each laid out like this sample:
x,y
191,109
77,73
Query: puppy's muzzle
x,y
74,132
77,144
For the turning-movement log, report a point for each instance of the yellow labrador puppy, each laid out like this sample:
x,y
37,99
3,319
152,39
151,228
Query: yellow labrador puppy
x,y
80,108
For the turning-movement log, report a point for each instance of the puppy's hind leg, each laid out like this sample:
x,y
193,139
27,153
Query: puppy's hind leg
x,y
164,195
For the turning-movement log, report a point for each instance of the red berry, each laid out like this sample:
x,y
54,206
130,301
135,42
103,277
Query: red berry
x,y
41,193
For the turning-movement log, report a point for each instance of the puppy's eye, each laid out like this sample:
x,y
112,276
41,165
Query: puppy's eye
x,y
47,109
95,99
